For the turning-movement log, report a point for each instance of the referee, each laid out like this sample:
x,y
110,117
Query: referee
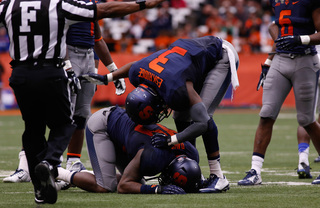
x,y
37,32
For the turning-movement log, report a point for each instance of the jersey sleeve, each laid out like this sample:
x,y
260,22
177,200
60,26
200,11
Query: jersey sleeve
x,y
79,11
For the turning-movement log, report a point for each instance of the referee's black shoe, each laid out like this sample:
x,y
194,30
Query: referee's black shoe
x,y
48,192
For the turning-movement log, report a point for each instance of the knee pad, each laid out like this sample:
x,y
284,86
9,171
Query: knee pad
x,y
304,120
80,122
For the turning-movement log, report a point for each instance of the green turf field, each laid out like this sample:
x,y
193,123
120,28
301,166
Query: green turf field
x,y
281,186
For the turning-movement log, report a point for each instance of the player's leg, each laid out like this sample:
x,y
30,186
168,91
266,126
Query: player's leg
x,y
303,149
305,87
214,88
82,62
275,90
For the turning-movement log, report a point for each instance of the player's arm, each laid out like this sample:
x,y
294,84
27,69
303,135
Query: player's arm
x,y
100,47
131,177
130,180
120,9
198,114
315,38
103,52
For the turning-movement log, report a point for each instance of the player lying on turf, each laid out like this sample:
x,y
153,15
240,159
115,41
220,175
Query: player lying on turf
x,y
114,141
191,77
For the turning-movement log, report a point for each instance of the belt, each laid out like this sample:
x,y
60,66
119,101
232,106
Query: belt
x,y
80,49
291,55
39,63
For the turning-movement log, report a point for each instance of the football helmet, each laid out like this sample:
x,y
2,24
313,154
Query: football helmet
x,y
183,172
144,106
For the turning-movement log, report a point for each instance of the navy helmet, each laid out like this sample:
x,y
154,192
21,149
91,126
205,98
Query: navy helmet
x,y
144,106
183,172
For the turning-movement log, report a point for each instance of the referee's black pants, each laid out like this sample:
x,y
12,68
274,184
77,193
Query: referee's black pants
x,y
44,100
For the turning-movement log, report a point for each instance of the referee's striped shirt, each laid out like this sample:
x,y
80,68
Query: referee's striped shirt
x,y
37,28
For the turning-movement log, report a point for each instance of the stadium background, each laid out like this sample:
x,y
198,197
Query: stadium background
x,y
242,22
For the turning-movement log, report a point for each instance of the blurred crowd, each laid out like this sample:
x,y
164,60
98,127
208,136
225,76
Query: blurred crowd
x,y
244,23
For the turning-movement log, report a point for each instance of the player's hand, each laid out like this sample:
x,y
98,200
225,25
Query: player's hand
x,y
120,86
170,189
95,78
160,140
74,82
263,75
288,42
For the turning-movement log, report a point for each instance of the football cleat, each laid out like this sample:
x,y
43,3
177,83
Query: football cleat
x,y
316,160
62,185
304,172
252,178
19,176
316,181
214,184
48,191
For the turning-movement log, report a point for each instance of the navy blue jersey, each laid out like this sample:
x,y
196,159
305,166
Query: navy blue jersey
x,y
294,17
134,137
82,34
167,71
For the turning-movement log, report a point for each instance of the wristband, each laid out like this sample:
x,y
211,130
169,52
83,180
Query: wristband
x,y
174,140
112,67
149,189
142,4
305,39
268,62
110,77
67,65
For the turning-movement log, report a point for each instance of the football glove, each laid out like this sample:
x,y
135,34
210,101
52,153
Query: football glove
x,y
160,140
263,75
288,42
120,86
170,189
95,78
73,81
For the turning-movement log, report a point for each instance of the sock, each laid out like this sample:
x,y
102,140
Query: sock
x,y
23,163
303,149
65,175
257,163
215,167
72,158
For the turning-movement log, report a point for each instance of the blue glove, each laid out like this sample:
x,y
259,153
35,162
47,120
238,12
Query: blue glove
x,y
288,42
160,140
263,75
73,81
170,189
95,78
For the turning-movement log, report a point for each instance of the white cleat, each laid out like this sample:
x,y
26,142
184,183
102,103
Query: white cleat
x,y
17,177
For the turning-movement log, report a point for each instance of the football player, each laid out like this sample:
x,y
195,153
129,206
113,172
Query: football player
x,y
115,142
295,65
191,77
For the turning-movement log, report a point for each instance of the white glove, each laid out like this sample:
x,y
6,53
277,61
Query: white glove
x,y
120,86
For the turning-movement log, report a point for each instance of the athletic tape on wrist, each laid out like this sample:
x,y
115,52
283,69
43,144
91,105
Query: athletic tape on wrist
x,y
110,77
305,39
174,140
268,62
112,67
